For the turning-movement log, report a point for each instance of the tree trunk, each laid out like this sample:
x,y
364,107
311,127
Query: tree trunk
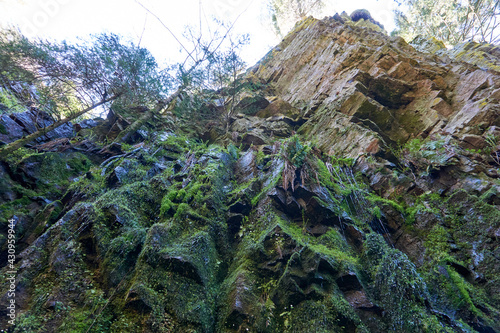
x,y
9,148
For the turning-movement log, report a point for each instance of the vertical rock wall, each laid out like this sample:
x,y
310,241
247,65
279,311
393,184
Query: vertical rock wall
x,y
356,191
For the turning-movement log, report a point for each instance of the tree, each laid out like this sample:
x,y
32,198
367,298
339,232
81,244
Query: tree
x,y
70,80
221,77
452,21
283,14
207,64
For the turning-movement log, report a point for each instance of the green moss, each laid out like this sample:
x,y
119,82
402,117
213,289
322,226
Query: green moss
x,y
127,323
52,171
79,164
401,291
379,200
438,244
273,236
18,155
122,251
112,232
399,288
241,281
91,186
182,211
15,207
176,274
233,151
241,187
77,321
375,248
326,178
161,251
194,191
259,158
166,205
271,184
330,245
11,102
331,315
136,204
462,298
343,161
180,195
177,143
455,242
347,195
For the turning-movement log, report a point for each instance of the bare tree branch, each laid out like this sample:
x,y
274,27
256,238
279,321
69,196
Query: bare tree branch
x,y
166,27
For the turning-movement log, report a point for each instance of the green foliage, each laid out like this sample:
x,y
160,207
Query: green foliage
x,y
212,87
233,151
325,176
427,155
52,175
425,203
325,317
450,21
64,78
166,205
283,14
259,158
330,245
295,151
10,102
91,186
348,195
492,148
492,140
463,219
221,78
28,323
13,207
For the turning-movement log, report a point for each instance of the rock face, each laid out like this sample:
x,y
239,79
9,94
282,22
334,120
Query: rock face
x,y
363,198
17,125
337,73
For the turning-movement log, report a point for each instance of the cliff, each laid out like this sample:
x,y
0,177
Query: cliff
x,y
355,189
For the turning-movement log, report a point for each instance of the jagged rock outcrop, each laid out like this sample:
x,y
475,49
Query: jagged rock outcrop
x,y
16,125
334,71
363,198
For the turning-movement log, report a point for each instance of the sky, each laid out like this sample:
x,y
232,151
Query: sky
x,y
72,19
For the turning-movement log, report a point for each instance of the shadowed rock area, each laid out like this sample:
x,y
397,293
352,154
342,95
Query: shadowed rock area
x,y
356,189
